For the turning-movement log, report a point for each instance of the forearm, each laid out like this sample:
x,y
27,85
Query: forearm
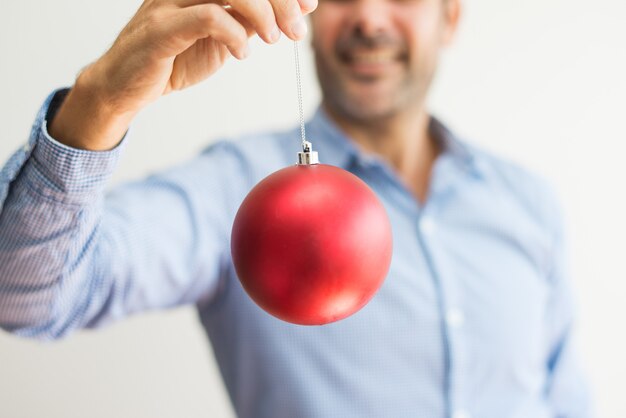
x,y
49,209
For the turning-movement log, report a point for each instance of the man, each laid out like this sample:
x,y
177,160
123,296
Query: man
x,y
474,318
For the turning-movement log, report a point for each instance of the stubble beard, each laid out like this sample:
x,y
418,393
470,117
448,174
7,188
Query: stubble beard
x,y
406,94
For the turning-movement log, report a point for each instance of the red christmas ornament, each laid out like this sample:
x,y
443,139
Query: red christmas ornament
x,y
311,243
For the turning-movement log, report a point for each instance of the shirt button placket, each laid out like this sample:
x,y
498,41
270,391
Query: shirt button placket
x,y
428,231
427,225
454,318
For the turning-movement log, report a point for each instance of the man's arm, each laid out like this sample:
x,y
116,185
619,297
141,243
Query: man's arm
x,y
73,257
567,390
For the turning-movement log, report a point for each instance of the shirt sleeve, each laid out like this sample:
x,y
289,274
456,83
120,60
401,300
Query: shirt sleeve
x,y
567,388
74,256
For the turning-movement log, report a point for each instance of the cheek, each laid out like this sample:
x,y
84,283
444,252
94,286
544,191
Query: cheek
x,y
420,25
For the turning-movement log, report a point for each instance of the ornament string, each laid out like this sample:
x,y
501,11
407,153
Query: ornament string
x,y
305,146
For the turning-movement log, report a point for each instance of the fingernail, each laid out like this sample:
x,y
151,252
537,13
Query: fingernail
x,y
275,34
299,28
309,5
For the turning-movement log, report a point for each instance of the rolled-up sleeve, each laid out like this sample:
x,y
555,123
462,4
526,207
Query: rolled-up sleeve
x,y
73,255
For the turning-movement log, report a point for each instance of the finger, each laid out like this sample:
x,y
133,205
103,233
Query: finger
x,y
260,15
290,18
242,21
268,21
238,16
187,3
307,6
208,20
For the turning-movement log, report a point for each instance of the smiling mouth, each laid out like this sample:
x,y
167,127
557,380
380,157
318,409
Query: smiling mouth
x,y
371,63
371,57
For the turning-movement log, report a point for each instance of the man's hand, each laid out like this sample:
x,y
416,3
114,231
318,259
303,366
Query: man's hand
x,y
168,45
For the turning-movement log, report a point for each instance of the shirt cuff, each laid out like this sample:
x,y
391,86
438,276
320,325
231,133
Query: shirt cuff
x,y
62,173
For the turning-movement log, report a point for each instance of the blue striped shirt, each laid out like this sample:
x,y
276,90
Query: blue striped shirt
x,y
474,319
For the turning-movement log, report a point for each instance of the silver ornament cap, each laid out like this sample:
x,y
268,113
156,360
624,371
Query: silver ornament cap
x,y
307,155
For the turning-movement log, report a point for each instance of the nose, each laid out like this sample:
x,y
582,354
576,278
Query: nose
x,y
370,17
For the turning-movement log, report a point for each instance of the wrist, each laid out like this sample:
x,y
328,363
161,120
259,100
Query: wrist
x,y
87,119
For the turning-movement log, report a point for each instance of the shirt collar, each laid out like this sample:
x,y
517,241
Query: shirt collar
x,y
460,152
335,148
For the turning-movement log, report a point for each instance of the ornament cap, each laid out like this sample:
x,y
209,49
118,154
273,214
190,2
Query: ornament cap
x,y
307,156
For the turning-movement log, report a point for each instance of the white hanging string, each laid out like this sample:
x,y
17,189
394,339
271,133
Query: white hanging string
x,y
299,84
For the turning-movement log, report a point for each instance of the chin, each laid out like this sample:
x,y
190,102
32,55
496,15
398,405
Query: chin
x,y
366,102
365,109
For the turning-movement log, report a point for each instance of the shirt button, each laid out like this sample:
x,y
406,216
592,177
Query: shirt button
x,y
427,225
461,414
455,319
26,147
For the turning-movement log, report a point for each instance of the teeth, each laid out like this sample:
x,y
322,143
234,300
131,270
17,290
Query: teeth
x,y
372,57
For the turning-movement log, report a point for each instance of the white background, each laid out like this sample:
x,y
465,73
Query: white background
x,y
542,82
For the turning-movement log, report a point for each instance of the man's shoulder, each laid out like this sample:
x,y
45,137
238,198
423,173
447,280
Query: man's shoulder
x,y
506,169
